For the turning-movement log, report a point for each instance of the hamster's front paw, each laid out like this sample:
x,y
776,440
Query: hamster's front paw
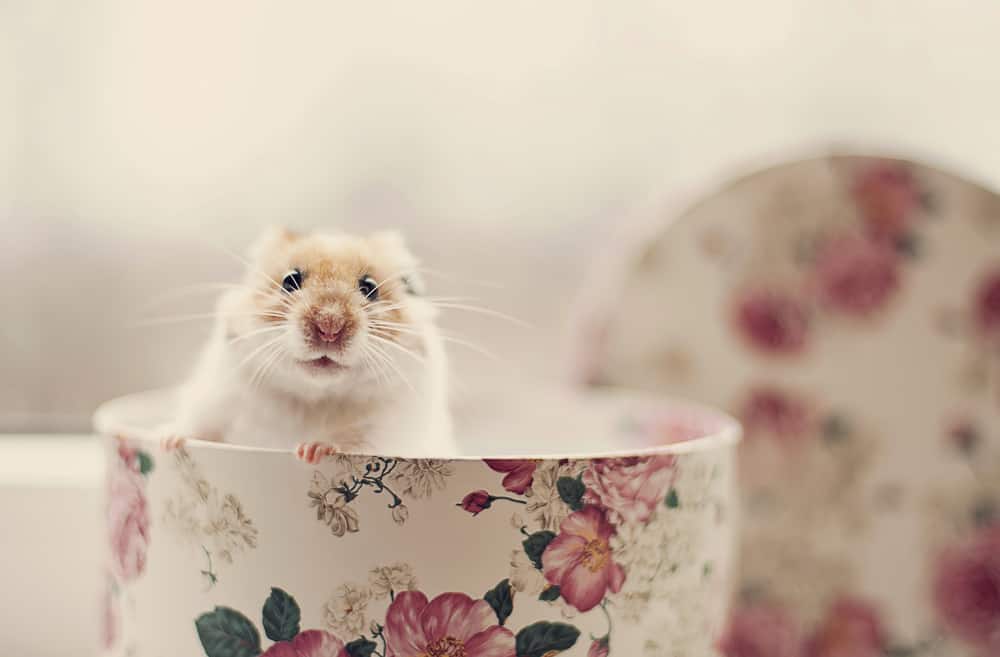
x,y
172,443
171,438
313,453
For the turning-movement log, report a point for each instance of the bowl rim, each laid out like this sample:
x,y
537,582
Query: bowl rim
x,y
107,422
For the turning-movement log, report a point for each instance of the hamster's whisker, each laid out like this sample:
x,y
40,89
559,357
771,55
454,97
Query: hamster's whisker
x,y
389,330
189,290
380,371
447,337
480,310
381,360
473,346
366,359
383,340
274,360
265,355
250,268
384,306
389,278
386,323
452,277
280,316
260,331
392,365
259,349
173,319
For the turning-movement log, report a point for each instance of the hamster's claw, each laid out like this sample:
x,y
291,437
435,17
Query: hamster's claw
x,y
313,453
172,443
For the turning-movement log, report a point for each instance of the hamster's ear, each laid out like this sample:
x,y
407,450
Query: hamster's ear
x,y
392,244
270,239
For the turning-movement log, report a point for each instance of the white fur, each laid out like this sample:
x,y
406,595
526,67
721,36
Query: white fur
x,y
357,408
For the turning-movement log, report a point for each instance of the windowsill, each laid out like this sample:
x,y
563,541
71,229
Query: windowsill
x,y
50,460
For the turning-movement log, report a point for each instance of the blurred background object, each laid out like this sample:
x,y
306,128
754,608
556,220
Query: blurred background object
x,y
508,140
847,311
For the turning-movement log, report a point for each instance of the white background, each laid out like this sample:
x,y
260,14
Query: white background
x,y
508,139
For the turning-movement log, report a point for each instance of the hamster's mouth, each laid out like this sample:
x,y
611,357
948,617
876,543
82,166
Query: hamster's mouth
x,y
322,364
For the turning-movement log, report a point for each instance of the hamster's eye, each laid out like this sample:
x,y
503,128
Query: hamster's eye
x,y
368,287
292,281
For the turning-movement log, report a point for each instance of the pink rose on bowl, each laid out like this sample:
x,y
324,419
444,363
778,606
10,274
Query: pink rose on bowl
x,y
967,590
855,276
987,305
852,628
128,521
520,473
128,455
476,502
761,631
450,625
579,560
771,321
109,616
599,648
886,195
629,488
771,412
311,643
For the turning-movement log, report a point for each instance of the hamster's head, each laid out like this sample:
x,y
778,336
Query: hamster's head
x,y
329,312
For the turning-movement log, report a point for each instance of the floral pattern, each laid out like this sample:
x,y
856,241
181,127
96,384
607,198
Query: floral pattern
x,y
128,513
331,496
856,276
849,265
345,612
592,557
311,643
888,197
986,305
520,474
850,628
967,589
629,489
215,521
579,559
452,625
964,528
771,320
611,535
412,625
847,310
128,525
977,326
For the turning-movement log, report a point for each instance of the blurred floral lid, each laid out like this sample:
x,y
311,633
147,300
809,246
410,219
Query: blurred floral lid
x,y
847,309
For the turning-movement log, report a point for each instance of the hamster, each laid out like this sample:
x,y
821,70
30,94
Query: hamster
x,y
327,346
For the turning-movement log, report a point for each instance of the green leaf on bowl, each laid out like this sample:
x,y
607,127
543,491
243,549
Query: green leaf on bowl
x,y
535,545
550,594
145,462
544,638
225,632
360,648
673,500
571,491
501,598
281,616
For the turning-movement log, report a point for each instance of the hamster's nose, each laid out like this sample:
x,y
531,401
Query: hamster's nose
x,y
328,328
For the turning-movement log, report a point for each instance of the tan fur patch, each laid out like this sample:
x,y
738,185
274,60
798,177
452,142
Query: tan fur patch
x,y
331,267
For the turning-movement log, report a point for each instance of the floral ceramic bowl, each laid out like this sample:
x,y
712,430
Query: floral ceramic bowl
x,y
847,310
603,525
